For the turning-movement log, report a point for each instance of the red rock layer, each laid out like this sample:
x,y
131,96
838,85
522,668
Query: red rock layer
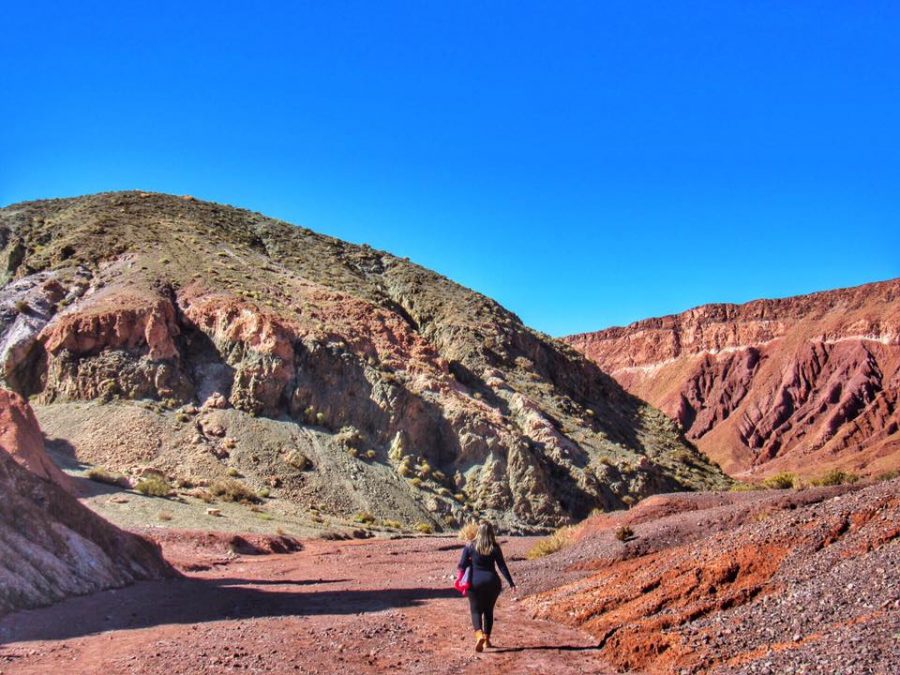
x,y
21,438
803,384
51,546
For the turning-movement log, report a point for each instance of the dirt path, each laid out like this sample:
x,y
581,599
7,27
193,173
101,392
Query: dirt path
x,y
355,607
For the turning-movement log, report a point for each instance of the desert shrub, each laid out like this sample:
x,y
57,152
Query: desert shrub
x,y
443,492
424,528
264,493
740,486
424,470
439,476
353,452
416,482
623,533
555,542
393,524
101,475
468,531
320,419
231,471
628,501
231,490
298,460
371,454
460,497
349,436
835,477
364,517
684,456
780,481
165,516
154,486
22,307
888,475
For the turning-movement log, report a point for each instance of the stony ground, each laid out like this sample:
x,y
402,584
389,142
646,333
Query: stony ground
x,y
776,581
360,606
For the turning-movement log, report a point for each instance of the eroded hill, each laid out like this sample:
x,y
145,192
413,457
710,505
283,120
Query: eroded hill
x,y
51,546
205,340
804,384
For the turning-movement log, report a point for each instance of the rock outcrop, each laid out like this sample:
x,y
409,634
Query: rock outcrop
x,y
394,390
803,384
51,546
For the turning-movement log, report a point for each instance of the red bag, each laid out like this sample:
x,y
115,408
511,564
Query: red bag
x,y
463,580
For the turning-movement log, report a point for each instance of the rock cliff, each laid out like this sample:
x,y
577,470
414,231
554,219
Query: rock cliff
x,y
803,384
51,546
201,339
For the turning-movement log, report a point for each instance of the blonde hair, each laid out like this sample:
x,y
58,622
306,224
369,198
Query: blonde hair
x,y
485,541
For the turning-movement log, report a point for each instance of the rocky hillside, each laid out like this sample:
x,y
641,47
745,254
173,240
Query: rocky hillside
x,y
51,546
804,384
204,341
762,582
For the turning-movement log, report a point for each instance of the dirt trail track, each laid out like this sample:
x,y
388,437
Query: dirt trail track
x,y
349,607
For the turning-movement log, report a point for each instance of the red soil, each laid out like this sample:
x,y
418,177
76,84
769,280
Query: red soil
x,y
354,606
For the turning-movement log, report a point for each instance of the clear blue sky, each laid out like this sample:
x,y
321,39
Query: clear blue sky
x,y
585,163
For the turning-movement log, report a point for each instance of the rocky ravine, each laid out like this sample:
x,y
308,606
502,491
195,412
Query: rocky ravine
x,y
803,384
203,340
51,546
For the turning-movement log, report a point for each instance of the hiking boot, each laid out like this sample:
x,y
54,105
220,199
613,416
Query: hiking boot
x,y
487,641
480,639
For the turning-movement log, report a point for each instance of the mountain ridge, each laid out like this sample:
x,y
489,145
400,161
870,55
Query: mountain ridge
x,y
407,395
771,365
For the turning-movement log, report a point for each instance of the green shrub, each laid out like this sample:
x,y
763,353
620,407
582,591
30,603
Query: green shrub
x,y
231,471
780,481
264,493
364,517
555,542
101,475
424,528
154,486
835,477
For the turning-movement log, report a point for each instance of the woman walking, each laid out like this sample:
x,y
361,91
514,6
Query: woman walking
x,y
481,556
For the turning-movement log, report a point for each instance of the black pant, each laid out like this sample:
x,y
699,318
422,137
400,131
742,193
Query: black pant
x,y
482,599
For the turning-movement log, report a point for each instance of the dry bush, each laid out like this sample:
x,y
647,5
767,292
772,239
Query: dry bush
x,y
232,472
231,490
780,481
835,477
624,533
424,528
393,524
745,487
101,475
154,486
555,542
364,517
165,515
